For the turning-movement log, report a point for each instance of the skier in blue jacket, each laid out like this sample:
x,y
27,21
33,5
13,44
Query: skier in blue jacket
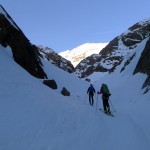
x,y
91,92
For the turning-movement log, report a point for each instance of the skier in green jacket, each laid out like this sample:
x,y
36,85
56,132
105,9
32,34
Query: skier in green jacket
x,y
105,97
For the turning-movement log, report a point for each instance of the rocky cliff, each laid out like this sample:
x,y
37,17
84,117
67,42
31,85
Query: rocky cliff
x,y
24,53
56,59
143,65
114,53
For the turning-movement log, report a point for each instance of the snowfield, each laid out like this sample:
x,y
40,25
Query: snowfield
x,y
35,117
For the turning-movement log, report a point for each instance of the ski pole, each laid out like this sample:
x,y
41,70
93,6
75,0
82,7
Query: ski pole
x,y
97,102
112,105
85,99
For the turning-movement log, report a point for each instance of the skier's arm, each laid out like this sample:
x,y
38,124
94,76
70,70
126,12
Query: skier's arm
x,y
94,90
88,91
101,90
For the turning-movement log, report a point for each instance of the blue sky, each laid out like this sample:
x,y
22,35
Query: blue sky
x,y
66,24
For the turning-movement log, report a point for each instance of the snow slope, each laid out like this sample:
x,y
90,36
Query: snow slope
x,y
81,52
35,117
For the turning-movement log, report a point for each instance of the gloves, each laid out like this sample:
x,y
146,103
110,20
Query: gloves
x,y
98,92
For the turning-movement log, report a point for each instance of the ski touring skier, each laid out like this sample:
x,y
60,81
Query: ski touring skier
x,y
105,97
91,92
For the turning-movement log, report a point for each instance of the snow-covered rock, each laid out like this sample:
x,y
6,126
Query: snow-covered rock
x,y
116,51
55,58
81,52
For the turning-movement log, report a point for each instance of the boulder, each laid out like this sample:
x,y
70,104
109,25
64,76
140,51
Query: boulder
x,y
50,83
65,92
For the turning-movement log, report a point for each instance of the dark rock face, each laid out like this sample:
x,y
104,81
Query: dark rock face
x,y
65,92
128,62
94,63
86,66
24,53
143,65
110,47
50,83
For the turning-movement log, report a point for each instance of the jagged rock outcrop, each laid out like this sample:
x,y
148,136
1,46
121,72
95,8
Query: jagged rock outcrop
x,y
56,59
113,54
24,53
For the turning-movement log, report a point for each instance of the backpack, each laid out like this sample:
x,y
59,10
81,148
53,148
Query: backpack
x,y
105,89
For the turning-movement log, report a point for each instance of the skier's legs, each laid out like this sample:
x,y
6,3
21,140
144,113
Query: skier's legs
x,y
107,105
90,99
104,105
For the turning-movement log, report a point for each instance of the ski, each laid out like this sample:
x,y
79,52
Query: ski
x,y
108,114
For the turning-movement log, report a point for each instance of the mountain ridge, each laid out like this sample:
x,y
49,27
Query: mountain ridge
x,y
80,52
57,60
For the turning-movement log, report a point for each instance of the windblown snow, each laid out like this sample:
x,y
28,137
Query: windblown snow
x,y
35,117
